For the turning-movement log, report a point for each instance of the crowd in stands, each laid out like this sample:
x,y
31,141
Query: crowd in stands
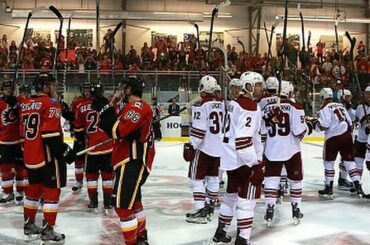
x,y
322,65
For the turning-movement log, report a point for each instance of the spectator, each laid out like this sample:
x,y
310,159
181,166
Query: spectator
x,y
327,66
174,108
338,70
320,50
361,49
157,114
90,63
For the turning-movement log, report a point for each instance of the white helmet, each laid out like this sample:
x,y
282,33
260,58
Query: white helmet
x,y
272,83
287,89
367,89
251,78
326,93
207,84
346,93
235,82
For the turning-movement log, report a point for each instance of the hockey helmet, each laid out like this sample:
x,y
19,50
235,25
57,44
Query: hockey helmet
x,y
218,87
137,85
235,82
208,84
41,80
344,92
272,83
326,93
287,89
7,84
249,80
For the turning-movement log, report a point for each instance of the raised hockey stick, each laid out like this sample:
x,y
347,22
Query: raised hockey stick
x,y
269,53
98,42
110,140
111,42
198,40
60,17
214,14
241,43
282,52
67,55
20,53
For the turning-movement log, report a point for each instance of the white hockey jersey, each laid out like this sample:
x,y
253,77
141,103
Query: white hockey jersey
x,y
360,116
267,99
334,119
284,138
243,145
206,132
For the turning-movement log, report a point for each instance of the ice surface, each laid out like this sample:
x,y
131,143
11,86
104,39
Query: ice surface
x,y
167,197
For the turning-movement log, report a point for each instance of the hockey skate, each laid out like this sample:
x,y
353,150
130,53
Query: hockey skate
x,y
49,236
93,205
344,184
31,231
77,187
211,208
220,235
107,204
7,198
19,197
296,214
241,241
358,190
143,240
269,216
327,192
280,194
200,216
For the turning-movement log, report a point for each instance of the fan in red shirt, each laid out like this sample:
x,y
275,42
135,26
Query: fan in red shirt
x,y
99,159
132,156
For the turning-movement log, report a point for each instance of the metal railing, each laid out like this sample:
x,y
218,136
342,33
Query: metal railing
x,y
161,84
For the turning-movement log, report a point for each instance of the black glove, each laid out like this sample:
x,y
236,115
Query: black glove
x,y
66,113
69,155
11,100
368,165
98,103
107,119
78,146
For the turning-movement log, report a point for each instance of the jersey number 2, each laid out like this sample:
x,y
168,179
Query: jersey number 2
x,y
92,117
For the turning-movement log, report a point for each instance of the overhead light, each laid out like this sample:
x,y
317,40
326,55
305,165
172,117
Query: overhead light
x,y
325,19
219,15
8,9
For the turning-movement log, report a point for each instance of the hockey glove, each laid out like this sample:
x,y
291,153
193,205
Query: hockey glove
x,y
368,165
66,113
11,100
367,130
69,155
257,176
98,103
310,127
188,152
107,119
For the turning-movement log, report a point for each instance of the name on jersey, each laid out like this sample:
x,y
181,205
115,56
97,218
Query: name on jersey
x,y
31,106
85,108
216,106
282,107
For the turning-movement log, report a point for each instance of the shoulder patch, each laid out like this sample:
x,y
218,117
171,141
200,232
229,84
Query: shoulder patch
x,y
247,104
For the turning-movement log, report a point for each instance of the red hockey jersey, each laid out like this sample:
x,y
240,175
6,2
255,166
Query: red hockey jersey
x,y
41,119
87,120
9,124
133,139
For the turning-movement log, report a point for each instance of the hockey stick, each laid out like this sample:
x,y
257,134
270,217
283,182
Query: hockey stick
x,y
269,54
60,17
98,42
20,53
110,140
67,55
198,40
282,52
214,14
111,41
241,43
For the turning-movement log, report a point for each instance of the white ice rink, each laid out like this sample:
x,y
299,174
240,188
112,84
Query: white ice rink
x,y
167,197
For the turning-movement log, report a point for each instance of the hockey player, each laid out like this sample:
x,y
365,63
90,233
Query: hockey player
x,y
234,86
286,128
132,157
345,97
363,117
333,118
242,159
45,155
205,139
10,149
98,160
69,114
258,81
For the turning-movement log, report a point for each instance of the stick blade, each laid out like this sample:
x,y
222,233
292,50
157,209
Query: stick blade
x,y
117,28
56,12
